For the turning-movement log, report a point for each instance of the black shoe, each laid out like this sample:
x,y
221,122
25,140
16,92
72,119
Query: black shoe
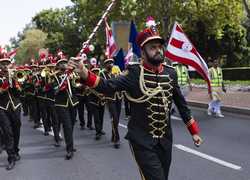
x,y
102,133
25,114
117,145
82,128
98,137
74,150
17,157
46,133
69,155
57,144
11,165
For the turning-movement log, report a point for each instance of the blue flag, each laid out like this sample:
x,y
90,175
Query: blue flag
x,y
132,39
119,60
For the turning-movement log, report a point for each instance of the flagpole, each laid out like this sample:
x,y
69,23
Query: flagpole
x,y
86,43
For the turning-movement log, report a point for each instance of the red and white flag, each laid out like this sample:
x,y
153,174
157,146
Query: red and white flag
x,y
111,46
181,49
129,56
12,53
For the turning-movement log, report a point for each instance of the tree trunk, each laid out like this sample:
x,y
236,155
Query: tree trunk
x,y
246,8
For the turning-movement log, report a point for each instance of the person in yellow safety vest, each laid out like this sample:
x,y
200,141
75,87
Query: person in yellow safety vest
x,y
183,81
116,70
183,78
217,89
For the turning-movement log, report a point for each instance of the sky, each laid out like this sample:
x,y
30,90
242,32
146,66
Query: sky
x,y
15,14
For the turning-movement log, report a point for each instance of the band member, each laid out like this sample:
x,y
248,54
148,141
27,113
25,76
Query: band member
x,y
30,91
47,99
96,105
114,103
151,87
81,93
65,105
10,111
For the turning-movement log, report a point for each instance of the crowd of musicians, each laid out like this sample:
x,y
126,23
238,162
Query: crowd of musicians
x,y
52,96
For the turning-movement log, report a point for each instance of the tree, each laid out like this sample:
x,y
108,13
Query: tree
x,y
34,40
208,23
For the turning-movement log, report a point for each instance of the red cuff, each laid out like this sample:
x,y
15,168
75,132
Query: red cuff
x,y
47,87
192,126
92,80
5,85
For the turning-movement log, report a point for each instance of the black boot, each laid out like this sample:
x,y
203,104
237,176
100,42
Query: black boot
x,y
117,145
11,165
69,155
17,157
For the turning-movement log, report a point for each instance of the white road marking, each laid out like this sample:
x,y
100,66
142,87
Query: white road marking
x,y
176,118
202,155
208,157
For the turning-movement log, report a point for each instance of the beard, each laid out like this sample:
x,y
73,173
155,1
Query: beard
x,y
155,60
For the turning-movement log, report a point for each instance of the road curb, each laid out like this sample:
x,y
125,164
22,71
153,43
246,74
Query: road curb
x,y
232,109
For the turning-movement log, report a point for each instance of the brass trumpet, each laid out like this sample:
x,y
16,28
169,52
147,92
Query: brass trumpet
x,y
76,81
20,75
45,72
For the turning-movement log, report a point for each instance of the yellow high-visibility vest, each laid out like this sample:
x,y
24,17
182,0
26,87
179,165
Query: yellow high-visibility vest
x,y
116,70
216,77
182,74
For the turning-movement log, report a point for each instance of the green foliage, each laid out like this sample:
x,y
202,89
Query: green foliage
x,y
214,26
33,40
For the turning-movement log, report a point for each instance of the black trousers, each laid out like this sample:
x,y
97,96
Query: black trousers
x,y
127,106
34,108
7,136
115,111
50,118
98,112
67,116
153,163
44,114
14,117
25,108
80,108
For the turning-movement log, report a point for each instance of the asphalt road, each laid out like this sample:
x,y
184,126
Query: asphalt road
x,y
225,154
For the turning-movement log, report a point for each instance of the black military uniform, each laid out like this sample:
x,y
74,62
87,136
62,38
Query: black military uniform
x,y
31,95
114,105
96,104
65,106
10,117
150,91
81,94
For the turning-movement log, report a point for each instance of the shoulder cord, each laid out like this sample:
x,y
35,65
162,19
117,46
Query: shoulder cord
x,y
148,93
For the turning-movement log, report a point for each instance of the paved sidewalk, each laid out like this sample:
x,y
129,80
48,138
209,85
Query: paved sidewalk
x,y
232,100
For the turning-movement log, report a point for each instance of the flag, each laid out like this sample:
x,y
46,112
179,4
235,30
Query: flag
x,y
119,60
111,46
181,49
129,56
12,55
132,39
